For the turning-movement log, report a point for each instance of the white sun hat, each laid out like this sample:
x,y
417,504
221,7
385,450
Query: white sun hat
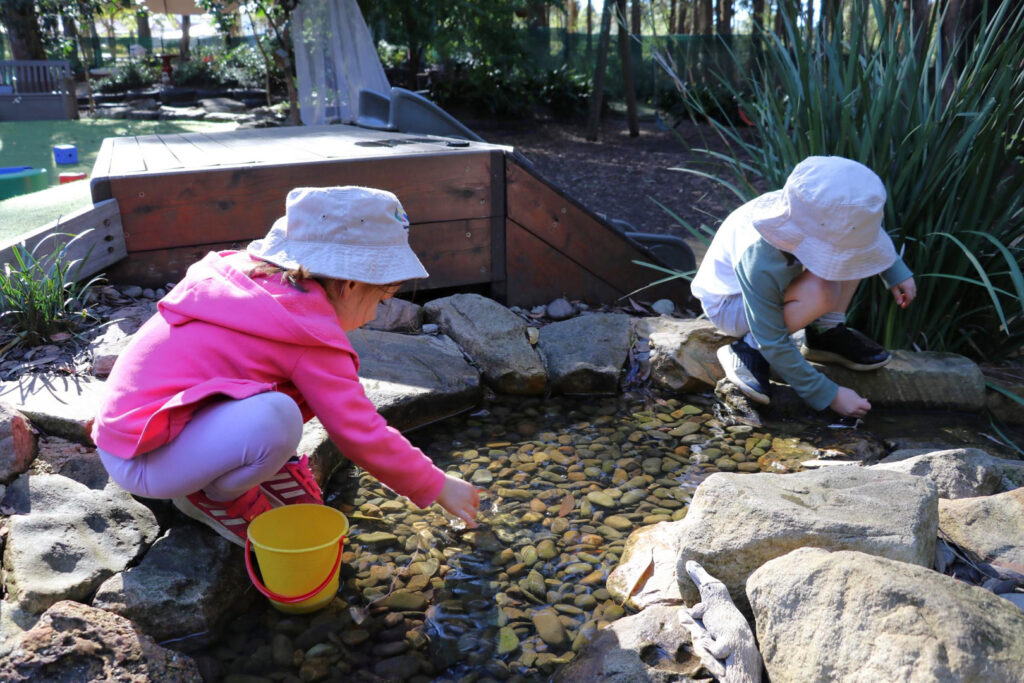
x,y
344,233
829,216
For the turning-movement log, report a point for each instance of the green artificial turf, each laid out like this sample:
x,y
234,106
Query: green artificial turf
x,y
30,143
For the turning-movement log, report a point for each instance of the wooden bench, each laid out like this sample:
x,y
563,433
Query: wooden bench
x,y
37,90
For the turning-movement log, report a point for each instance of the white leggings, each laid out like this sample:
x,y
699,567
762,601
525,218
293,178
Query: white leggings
x,y
225,449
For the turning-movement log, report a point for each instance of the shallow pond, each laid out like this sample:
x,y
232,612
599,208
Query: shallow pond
x,y
563,484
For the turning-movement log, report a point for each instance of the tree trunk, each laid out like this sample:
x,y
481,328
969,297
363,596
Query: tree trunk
x,y
186,23
71,33
681,19
725,14
919,10
810,20
703,18
23,34
596,97
635,18
672,28
145,34
758,15
590,31
627,72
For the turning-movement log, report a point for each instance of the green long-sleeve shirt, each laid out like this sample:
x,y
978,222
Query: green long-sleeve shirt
x,y
763,273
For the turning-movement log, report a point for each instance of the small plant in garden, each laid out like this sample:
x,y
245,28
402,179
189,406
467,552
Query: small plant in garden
x,y
135,75
40,297
941,136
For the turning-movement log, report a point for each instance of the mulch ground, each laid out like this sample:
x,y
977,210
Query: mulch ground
x,y
625,177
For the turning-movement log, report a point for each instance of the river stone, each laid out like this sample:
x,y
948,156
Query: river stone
x,y
956,473
683,352
75,642
585,355
414,379
60,405
649,646
992,527
1012,471
1002,406
65,539
852,616
840,508
19,443
495,338
646,573
188,582
13,622
325,458
923,379
550,629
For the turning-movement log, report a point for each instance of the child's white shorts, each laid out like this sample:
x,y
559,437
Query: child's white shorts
x,y
727,314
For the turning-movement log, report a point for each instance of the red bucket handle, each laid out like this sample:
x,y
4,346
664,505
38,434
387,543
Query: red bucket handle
x,y
289,600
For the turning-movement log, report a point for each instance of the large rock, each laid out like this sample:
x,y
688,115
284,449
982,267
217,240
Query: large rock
x,y
59,405
65,539
956,473
1012,471
585,355
737,522
72,460
13,622
414,379
187,583
1002,406
683,352
75,642
397,315
494,337
651,646
926,379
838,616
324,456
992,527
18,443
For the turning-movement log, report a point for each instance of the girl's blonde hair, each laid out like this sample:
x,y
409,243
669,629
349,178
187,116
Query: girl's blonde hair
x,y
296,276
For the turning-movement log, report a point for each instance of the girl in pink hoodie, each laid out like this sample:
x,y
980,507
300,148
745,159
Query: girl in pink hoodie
x,y
206,404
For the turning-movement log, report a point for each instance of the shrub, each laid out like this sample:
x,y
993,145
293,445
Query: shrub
x,y
39,293
488,91
135,75
564,92
951,162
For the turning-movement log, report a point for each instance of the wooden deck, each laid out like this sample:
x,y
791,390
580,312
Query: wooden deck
x,y
480,217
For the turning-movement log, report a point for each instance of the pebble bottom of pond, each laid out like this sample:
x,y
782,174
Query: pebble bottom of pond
x,y
562,481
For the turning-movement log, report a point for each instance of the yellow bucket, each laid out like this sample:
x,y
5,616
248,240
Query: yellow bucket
x,y
297,546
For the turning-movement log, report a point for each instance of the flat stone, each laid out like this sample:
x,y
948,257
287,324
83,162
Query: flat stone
x,y
508,641
991,527
63,406
550,629
414,380
405,601
683,352
956,473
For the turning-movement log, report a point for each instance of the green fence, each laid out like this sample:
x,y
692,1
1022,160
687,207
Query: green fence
x,y
102,51
697,59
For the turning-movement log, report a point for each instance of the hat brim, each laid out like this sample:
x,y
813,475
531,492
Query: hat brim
x,y
377,265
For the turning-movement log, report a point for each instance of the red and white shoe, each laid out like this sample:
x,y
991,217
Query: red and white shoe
x,y
229,518
293,483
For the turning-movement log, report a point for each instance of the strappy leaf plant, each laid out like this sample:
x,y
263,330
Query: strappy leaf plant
x,y
946,139
40,295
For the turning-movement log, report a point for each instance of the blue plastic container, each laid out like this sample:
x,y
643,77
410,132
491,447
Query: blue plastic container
x,y
65,154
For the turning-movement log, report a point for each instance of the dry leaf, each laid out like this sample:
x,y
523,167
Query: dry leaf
x,y
568,503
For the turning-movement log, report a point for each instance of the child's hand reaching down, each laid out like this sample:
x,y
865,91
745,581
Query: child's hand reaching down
x,y
460,499
849,403
904,292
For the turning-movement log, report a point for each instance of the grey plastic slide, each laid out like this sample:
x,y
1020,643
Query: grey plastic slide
x,y
407,112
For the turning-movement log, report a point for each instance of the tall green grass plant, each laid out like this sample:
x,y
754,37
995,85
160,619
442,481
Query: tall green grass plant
x,y
947,144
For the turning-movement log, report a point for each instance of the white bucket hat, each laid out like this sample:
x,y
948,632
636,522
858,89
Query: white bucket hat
x,y
829,216
345,233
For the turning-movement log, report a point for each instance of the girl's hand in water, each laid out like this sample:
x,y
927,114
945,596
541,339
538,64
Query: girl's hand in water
x,y
460,498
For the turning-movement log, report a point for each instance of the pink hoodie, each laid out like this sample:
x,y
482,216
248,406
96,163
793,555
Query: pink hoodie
x,y
221,333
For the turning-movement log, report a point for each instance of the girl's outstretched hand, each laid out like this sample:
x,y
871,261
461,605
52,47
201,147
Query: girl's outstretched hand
x,y
460,498
904,292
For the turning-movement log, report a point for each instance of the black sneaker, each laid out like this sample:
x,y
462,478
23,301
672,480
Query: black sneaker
x,y
844,346
747,369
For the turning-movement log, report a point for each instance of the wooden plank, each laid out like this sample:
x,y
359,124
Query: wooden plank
x,y
125,156
99,183
455,253
570,229
225,205
537,274
185,150
499,282
263,147
155,154
102,246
